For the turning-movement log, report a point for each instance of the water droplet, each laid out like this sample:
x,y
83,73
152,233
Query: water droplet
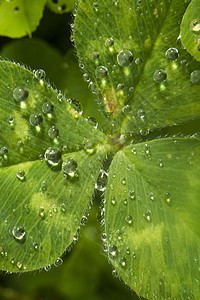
x,y
141,114
125,58
172,54
129,220
147,215
101,72
19,233
20,94
47,268
134,151
36,119
127,250
133,255
63,207
19,265
53,132
58,262
43,186
195,77
113,200
41,212
160,163
4,151
89,146
152,196
159,75
167,197
95,55
131,195
35,246
112,250
40,74
69,167
109,42
53,156
123,262
126,109
95,6
195,25
21,174
47,108
123,180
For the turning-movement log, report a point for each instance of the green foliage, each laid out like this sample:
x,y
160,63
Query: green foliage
x,y
19,18
190,29
125,144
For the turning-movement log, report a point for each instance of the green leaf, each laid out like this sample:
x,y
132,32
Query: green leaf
x,y
61,6
152,217
42,200
123,45
20,17
190,29
64,73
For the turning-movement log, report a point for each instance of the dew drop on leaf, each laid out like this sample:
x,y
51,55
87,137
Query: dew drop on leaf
x,y
53,156
112,250
20,94
129,220
36,119
40,74
195,25
101,72
47,108
58,262
168,197
109,42
70,167
35,246
125,58
21,174
147,215
18,233
159,75
123,262
53,132
195,77
172,54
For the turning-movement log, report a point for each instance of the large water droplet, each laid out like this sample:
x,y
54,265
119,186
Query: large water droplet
x,y
69,167
172,54
21,174
129,220
40,74
53,156
58,262
195,77
125,58
47,108
159,75
195,25
20,94
101,72
18,233
36,119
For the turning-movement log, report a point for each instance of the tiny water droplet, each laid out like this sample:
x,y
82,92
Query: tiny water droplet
x,y
167,197
41,212
129,220
35,246
58,262
112,250
109,42
123,180
147,215
123,262
47,268
131,195
195,25
160,163
40,74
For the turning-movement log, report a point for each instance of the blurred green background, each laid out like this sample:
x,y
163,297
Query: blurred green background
x,y
85,272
